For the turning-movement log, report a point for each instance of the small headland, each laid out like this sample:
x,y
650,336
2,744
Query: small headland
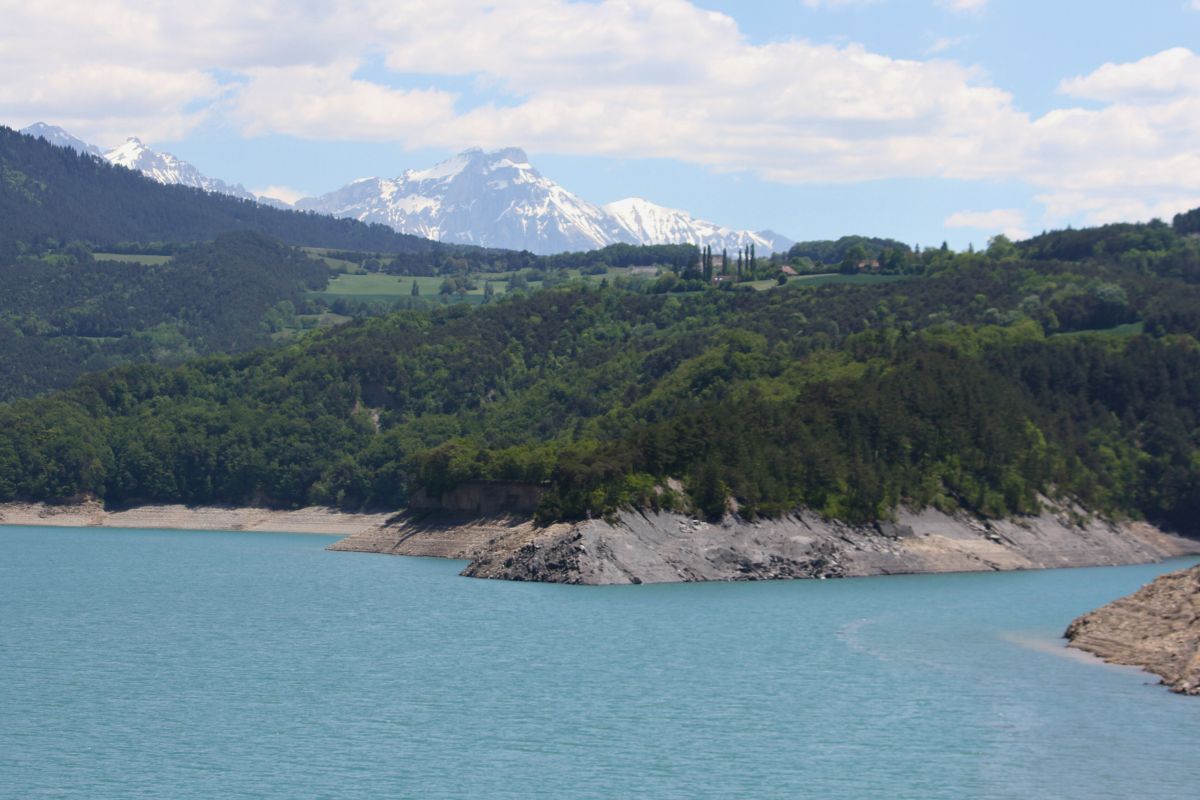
x,y
657,547
1156,628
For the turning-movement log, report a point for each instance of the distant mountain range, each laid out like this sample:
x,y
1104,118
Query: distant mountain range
x,y
162,167
499,199
492,199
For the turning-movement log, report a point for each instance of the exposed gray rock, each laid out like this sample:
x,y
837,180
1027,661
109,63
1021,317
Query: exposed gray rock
x,y
651,547
1157,628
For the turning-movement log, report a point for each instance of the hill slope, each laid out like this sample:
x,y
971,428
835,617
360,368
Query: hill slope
x,y
49,192
982,386
72,314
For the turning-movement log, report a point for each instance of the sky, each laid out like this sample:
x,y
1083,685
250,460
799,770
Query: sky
x,y
922,120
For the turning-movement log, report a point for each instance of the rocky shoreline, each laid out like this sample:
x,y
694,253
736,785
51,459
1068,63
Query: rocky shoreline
x,y
653,547
1156,628
650,547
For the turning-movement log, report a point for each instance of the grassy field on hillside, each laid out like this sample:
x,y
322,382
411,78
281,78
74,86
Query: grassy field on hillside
x,y
369,287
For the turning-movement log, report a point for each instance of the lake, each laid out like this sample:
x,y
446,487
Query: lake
x,y
167,664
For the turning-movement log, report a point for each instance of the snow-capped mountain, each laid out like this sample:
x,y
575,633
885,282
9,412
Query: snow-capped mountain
x,y
649,223
499,199
166,168
493,199
60,138
161,167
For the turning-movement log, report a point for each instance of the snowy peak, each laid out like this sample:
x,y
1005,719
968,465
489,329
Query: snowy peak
x,y
499,199
132,154
166,168
494,199
649,223
60,138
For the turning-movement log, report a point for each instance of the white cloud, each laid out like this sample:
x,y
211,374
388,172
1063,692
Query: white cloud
x,y
328,103
1009,221
1169,73
636,78
285,193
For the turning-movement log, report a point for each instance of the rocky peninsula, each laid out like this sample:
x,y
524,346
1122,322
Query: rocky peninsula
x,y
654,547
1156,628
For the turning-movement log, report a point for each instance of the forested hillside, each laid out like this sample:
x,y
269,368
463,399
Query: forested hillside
x,y
51,195
65,311
69,314
986,381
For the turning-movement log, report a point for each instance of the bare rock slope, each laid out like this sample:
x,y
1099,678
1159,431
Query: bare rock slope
x,y
1156,628
662,548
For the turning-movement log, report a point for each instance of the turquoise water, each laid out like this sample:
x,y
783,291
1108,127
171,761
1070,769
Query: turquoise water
x,y
158,664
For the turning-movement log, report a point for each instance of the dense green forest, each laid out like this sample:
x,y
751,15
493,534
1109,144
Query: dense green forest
x,y
68,314
984,382
832,253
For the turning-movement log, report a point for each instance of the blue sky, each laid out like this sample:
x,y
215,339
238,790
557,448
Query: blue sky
x,y
922,120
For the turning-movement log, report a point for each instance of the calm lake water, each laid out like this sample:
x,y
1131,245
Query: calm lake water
x,y
159,664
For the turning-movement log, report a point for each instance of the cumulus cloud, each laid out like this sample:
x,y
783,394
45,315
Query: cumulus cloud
x,y
327,102
635,78
1171,72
